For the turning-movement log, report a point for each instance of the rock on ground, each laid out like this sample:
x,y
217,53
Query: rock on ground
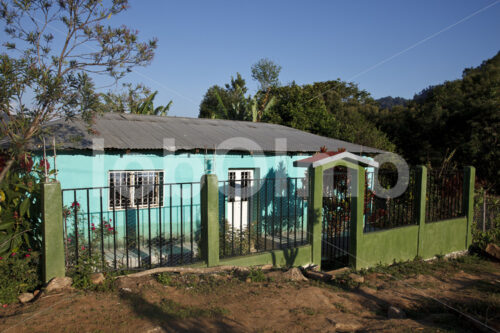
x,y
350,326
294,274
25,297
357,278
97,278
395,313
493,250
59,283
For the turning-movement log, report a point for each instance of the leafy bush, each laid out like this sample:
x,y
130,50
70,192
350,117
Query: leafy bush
x,y
237,241
19,273
20,205
257,275
480,238
164,278
81,271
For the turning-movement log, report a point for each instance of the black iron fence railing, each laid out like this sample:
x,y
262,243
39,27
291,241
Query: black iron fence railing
x,y
336,226
258,215
385,213
133,226
444,195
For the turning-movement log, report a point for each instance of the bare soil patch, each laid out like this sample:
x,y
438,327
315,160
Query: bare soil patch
x,y
267,302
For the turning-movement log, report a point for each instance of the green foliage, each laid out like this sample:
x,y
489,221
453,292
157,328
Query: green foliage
x,y
229,102
481,239
266,72
237,241
257,275
333,109
164,278
45,76
136,100
81,271
460,115
20,206
86,266
19,273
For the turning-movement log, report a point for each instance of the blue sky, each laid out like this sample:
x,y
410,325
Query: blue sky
x,y
202,43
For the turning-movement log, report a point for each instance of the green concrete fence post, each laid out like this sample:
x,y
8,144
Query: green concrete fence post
x,y
52,232
357,215
469,180
210,219
421,184
315,213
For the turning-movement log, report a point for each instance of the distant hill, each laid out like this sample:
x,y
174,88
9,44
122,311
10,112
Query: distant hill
x,y
388,102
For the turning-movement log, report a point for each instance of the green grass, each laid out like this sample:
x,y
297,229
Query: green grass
x,y
305,310
257,275
439,266
196,284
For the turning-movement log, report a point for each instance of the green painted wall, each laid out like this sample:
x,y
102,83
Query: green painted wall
x,y
210,220
52,232
444,237
387,246
425,240
299,256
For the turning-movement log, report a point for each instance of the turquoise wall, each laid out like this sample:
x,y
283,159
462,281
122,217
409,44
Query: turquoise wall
x,y
84,170
178,215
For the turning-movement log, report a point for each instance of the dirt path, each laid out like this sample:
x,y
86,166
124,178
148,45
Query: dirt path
x,y
225,303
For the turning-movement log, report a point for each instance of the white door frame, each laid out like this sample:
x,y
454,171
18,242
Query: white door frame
x,y
240,183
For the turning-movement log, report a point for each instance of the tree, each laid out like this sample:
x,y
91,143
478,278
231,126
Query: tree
x,y
296,107
229,102
459,116
266,72
43,75
332,108
136,100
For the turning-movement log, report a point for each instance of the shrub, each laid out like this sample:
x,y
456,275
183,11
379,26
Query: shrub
x,y
81,271
19,273
20,208
257,275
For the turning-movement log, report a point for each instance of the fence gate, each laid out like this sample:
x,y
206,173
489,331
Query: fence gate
x,y
336,218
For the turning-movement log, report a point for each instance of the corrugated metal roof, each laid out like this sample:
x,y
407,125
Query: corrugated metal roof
x,y
135,132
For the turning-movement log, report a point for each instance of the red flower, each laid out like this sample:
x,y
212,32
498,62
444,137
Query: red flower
x,y
26,162
27,255
1,258
5,305
44,164
29,250
75,204
83,247
93,228
92,224
13,254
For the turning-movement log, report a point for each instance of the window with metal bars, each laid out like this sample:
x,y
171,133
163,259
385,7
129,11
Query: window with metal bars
x,y
135,189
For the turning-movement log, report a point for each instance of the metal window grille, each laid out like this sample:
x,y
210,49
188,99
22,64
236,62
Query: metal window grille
x,y
135,189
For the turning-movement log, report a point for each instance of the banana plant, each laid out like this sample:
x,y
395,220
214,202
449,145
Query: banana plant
x,y
147,107
258,113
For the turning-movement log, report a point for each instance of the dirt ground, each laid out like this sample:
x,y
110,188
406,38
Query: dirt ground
x,y
469,286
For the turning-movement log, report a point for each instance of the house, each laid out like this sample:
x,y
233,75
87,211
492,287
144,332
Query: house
x,y
176,149
132,183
